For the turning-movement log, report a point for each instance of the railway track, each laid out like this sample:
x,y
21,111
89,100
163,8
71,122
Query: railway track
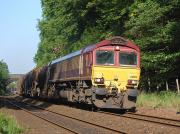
x,y
142,117
148,118
71,124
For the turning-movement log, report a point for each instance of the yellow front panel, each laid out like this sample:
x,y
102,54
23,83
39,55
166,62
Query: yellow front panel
x,y
115,76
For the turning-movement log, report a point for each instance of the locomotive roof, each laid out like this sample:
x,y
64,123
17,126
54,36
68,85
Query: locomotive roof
x,y
117,40
67,56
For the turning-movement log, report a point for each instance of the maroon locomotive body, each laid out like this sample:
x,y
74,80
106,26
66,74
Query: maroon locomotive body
x,y
105,74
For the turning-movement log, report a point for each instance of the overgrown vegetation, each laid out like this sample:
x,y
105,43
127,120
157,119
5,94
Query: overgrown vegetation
x,y
8,125
154,25
4,74
163,99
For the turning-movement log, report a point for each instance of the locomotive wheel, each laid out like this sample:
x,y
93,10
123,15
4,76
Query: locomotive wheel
x,y
98,103
95,108
133,110
127,104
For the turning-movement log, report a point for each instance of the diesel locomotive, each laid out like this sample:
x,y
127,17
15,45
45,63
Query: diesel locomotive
x,y
105,75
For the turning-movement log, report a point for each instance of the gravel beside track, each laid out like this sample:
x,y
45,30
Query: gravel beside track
x,y
69,123
148,118
115,122
30,123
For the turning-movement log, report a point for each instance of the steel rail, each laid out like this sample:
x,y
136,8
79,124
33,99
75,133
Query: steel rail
x,y
155,117
152,119
126,116
90,123
56,124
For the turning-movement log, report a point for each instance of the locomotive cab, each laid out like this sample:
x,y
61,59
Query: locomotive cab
x,y
115,75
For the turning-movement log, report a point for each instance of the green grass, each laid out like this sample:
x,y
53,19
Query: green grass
x,y
163,99
8,125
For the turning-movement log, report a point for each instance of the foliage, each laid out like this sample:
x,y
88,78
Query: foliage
x,y
154,25
163,99
70,25
8,125
12,85
4,74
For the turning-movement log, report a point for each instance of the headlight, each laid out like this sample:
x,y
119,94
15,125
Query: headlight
x,y
99,80
132,82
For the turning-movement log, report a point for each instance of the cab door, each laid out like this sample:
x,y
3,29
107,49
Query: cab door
x,y
87,65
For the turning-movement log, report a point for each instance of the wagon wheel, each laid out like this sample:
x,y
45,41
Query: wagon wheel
x,y
32,93
51,90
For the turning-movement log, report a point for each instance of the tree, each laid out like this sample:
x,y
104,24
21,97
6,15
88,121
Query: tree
x,y
4,74
154,25
70,25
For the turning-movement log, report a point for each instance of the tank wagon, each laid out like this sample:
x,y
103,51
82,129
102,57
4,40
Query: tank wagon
x,y
105,74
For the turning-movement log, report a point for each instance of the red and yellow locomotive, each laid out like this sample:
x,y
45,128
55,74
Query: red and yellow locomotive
x,y
105,74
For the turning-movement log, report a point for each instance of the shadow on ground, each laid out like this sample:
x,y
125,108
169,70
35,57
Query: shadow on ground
x,y
45,103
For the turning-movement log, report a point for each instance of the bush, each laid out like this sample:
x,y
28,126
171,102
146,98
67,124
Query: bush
x,y
8,125
163,99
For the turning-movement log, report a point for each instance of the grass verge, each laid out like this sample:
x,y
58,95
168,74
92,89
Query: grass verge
x,y
8,125
163,99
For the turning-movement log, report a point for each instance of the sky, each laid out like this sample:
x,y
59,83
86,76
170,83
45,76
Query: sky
x,y
19,36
